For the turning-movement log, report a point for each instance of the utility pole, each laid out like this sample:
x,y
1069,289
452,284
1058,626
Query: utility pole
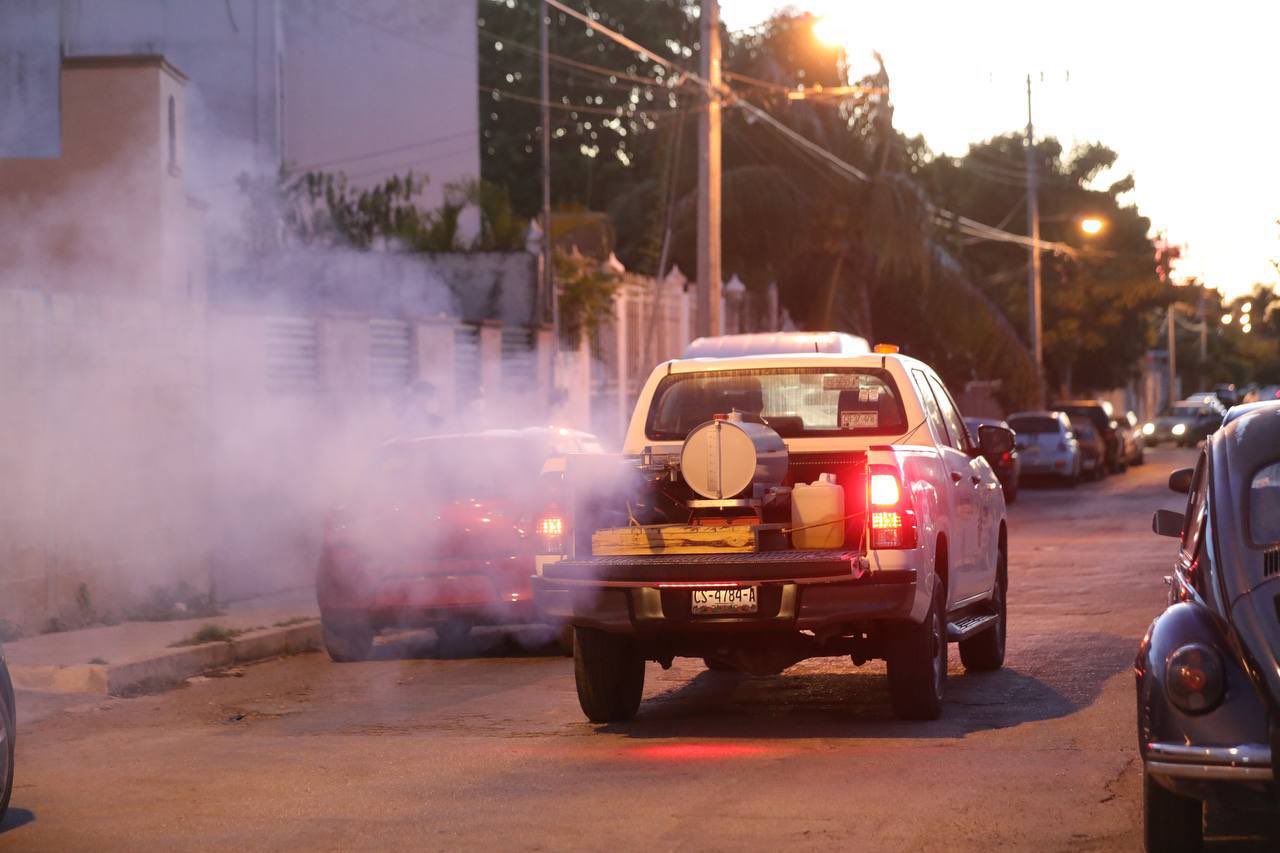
x,y
550,304
1033,272
709,174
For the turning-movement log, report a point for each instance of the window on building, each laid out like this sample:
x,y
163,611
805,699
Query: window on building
x,y
173,134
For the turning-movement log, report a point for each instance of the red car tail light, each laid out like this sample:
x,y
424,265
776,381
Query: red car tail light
x,y
892,517
550,528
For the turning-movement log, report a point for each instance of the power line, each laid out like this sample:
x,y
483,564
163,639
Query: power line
x,y
615,112
618,37
369,155
574,63
848,170
417,161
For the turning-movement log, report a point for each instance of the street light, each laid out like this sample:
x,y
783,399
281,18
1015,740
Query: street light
x,y
828,31
1092,226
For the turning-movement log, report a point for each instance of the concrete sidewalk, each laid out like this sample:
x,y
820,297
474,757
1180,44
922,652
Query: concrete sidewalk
x,y
135,655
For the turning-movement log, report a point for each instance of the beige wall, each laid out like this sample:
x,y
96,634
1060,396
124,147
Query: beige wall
x,y
102,452
108,215
102,359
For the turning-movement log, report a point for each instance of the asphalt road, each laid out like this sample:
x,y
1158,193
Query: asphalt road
x,y
411,752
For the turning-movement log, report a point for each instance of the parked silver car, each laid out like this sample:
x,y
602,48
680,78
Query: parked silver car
x,y
1047,445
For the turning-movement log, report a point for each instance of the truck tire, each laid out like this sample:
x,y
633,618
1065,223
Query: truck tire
x,y
917,664
1170,823
347,640
609,672
985,652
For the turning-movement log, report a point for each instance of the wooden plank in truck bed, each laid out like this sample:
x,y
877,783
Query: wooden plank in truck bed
x,y
644,540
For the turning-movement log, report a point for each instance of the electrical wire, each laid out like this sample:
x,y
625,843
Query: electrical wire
x,y
618,37
615,112
961,223
574,63
369,155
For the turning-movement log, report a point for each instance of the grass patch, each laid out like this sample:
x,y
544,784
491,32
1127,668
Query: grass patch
x,y
289,623
212,634
98,661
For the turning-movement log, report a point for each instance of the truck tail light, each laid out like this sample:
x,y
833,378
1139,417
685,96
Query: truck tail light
x,y
550,529
892,517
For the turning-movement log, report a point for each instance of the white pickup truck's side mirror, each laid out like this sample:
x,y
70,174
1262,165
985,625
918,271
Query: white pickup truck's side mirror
x,y
1166,522
995,440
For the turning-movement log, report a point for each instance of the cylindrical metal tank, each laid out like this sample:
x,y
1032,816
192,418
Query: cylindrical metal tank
x,y
722,459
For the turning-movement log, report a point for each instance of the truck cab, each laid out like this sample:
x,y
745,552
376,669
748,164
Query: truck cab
x,y
694,541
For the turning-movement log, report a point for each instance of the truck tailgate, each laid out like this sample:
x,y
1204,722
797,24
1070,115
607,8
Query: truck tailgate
x,y
698,568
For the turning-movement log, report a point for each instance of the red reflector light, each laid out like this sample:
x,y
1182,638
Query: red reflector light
x,y
891,518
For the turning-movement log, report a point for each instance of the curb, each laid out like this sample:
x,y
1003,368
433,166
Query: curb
x,y
168,667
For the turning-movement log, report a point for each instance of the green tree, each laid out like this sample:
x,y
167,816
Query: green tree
x,y
320,208
603,134
1096,303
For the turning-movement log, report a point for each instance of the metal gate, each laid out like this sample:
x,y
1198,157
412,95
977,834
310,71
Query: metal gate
x,y
293,354
466,363
519,360
390,355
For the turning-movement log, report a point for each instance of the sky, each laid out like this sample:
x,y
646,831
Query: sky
x,y
1184,92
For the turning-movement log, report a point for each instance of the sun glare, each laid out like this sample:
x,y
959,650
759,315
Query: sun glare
x,y
828,31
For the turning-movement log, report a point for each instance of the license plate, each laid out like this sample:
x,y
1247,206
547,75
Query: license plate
x,y
719,601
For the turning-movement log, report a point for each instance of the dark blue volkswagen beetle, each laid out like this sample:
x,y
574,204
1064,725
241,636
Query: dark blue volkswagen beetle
x,y
1208,670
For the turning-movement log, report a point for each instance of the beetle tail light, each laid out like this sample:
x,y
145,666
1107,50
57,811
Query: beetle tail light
x,y
892,518
1194,678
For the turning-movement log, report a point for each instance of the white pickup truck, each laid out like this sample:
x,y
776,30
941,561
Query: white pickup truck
x,y
667,551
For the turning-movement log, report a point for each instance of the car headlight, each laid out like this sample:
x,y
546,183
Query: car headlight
x,y
1148,428
1194,679
1179,429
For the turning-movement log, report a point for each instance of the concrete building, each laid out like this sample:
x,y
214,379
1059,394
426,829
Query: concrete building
x,y
368,87
101,334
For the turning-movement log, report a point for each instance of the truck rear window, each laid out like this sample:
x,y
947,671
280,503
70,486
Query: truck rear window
x,y
795,402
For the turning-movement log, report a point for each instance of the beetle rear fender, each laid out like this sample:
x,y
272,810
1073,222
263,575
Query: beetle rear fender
x,y
1240,717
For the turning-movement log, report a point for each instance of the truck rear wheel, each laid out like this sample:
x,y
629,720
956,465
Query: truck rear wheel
x,y
609,672
917,664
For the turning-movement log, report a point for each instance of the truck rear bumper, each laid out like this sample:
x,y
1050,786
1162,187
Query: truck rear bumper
x,y
656,606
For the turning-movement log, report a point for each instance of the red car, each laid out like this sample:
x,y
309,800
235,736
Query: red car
x,y
441,536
